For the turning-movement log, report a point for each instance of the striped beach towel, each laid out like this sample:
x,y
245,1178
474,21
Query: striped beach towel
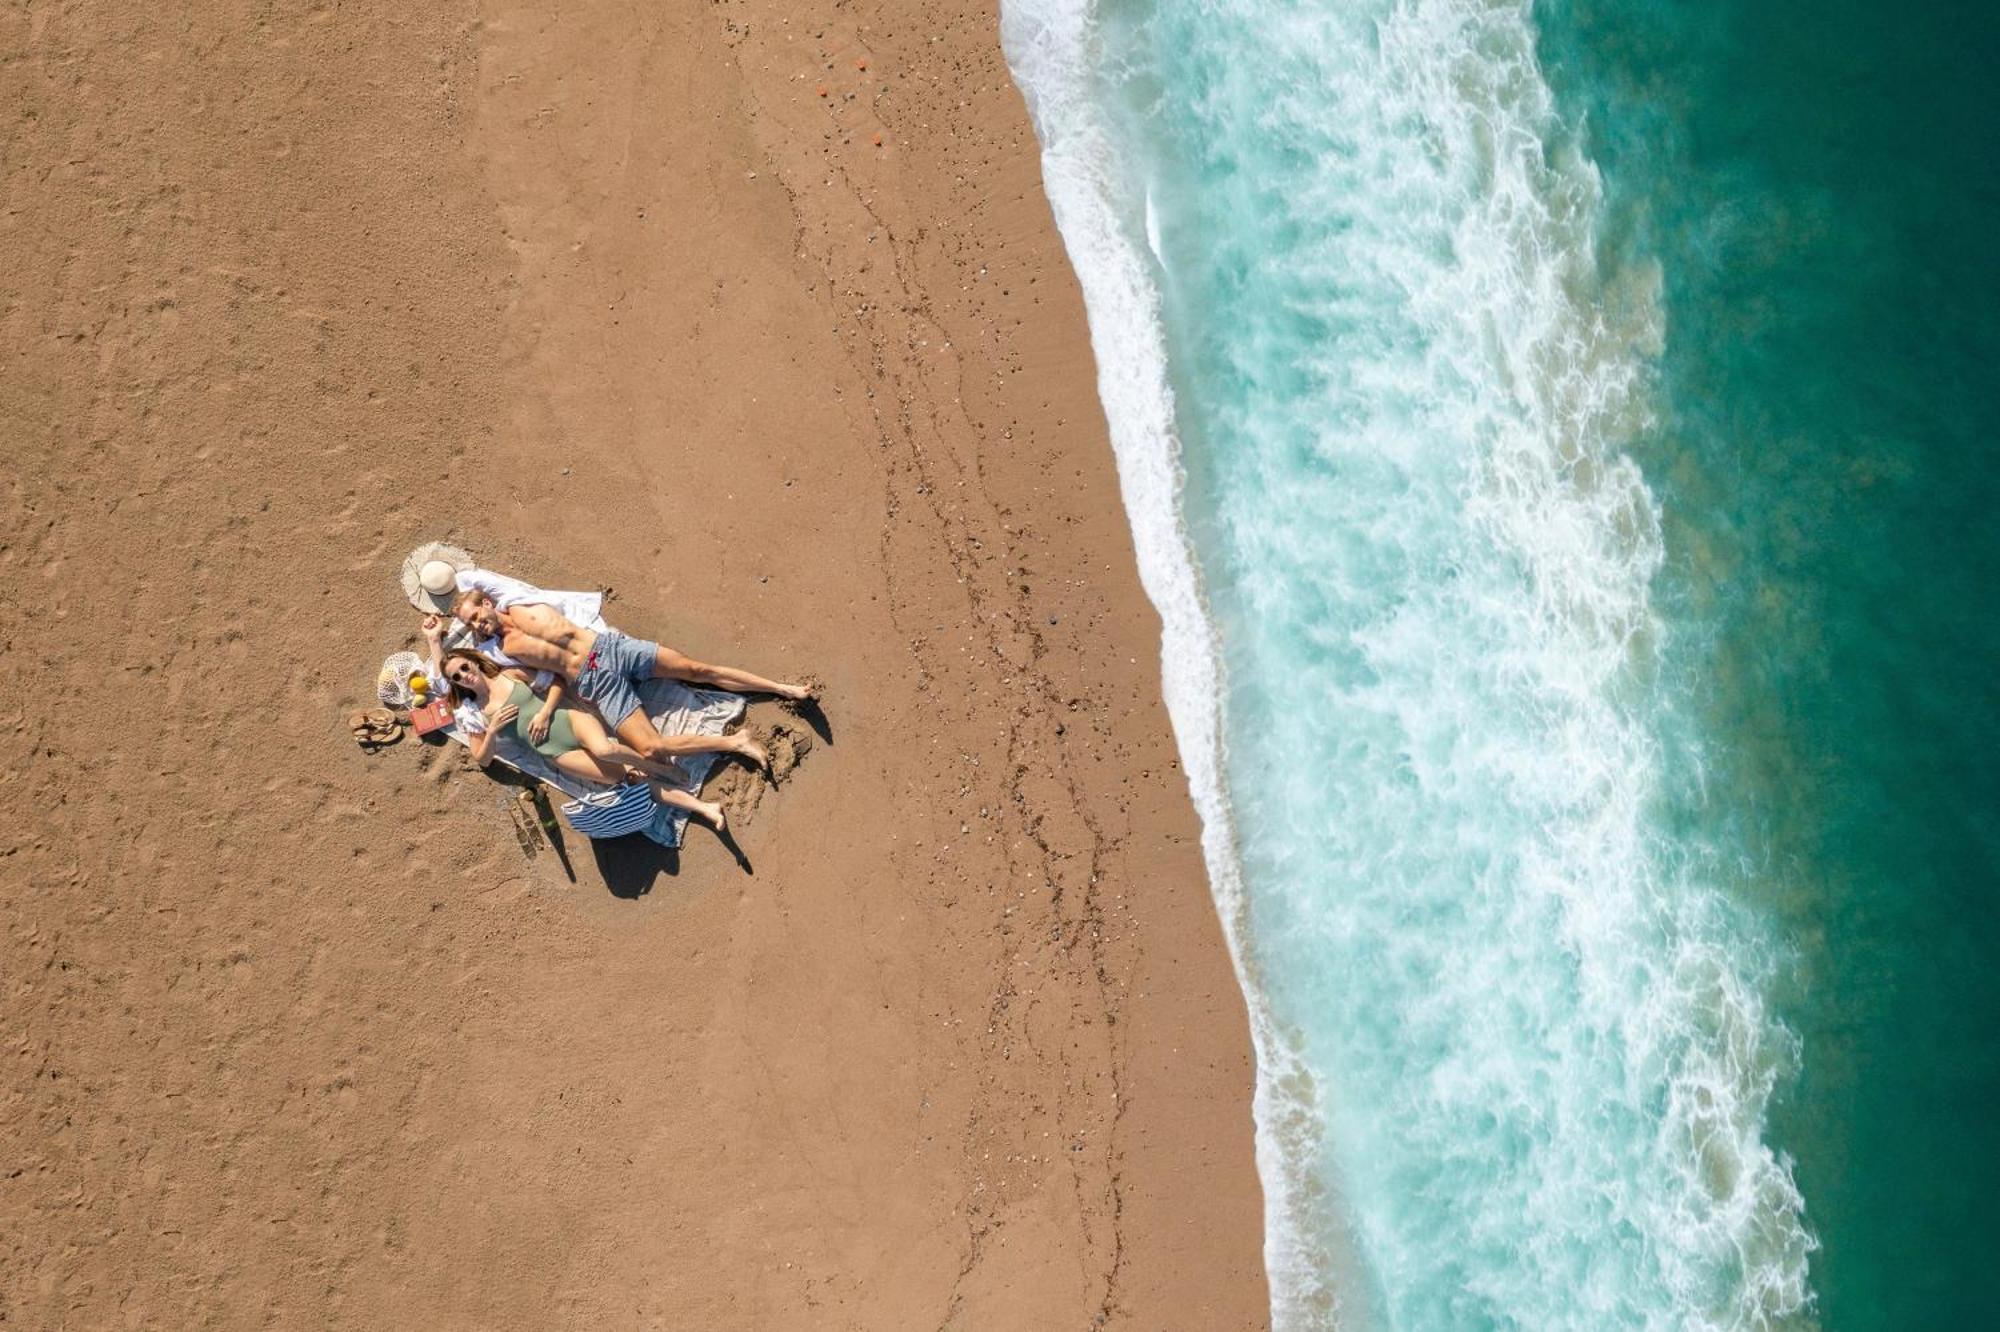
x,y
613,813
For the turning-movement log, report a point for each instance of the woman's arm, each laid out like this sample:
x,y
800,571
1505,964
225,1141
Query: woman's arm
x,y
481,745
481,742
434,635
538,725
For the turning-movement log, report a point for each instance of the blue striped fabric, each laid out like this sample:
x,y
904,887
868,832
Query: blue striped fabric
x,y
614,813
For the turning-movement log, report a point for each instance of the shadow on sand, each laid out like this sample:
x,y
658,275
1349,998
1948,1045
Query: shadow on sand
x,y
631,866
814,715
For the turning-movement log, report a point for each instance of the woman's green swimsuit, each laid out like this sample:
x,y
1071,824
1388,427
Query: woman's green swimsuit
x,y
562,735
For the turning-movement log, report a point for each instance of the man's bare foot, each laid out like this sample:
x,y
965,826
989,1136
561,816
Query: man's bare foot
x,y
800,698
742,744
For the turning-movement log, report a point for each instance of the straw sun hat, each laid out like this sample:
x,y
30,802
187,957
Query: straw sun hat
x,y
430,576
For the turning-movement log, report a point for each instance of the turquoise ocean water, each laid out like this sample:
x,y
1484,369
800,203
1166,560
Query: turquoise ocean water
x,y
1556,440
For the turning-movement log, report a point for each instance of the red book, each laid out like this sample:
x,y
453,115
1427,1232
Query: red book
x,y
432,716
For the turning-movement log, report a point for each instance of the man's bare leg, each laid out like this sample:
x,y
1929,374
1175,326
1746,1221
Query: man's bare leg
x,y
671,665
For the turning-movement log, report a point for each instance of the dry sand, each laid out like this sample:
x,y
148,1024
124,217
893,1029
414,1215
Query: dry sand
x,y
296,1037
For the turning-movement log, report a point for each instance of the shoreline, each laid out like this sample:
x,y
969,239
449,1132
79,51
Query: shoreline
x,y
1046,47
965,1049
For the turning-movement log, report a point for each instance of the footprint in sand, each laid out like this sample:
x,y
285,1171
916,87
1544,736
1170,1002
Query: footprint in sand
x,y
741,789
788,746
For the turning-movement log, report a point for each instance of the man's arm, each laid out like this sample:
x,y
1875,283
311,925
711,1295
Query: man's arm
x,y
540,628
538,619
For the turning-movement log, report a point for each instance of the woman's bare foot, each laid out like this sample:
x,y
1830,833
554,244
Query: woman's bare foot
x,y
742,744
705,810
805,691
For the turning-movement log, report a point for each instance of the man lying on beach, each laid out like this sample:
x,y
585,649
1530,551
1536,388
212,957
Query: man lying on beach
x,y
602,666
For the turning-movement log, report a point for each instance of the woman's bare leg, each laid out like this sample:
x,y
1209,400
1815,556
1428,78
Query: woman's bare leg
x,y
590,733
671,665
707,810
577,763
638,732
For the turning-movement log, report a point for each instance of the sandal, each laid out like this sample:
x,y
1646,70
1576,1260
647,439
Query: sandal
x,y
374,729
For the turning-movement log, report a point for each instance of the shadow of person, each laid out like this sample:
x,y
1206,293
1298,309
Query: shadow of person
x,y
727,837
552,833
630,866
813,713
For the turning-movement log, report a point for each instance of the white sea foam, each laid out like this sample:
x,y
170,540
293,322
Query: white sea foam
x,y
1047,46
1551,1051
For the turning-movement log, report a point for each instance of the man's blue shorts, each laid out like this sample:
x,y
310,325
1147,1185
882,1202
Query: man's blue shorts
x,y
615,664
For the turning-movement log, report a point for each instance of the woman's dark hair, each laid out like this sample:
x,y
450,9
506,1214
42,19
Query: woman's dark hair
x,y
485,665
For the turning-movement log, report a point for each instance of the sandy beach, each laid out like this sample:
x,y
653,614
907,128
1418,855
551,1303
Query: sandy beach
x,y
754,314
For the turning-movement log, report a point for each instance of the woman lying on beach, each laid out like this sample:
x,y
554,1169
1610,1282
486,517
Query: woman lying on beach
x,y
576,741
